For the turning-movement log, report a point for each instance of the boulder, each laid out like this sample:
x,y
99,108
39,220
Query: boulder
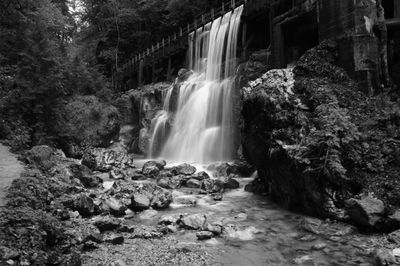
x,y
140,202
159,164
186,200
115,239
230,183
169,219
183,169
85,205
394,237
114,206
102,159
366,211
193,183
85,175
148,214
384,257
142,194
201,176
212,185
151,171
170,182
204,235
106,223
193,221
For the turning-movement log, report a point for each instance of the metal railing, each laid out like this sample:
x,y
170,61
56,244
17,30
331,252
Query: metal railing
x,y
162,47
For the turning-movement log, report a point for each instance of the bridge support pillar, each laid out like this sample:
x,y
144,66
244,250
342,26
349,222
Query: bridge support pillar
x,y
169,69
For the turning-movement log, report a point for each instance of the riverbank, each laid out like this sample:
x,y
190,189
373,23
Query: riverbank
x,y
63,213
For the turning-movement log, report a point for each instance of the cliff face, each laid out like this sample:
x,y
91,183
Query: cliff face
x,y
316,140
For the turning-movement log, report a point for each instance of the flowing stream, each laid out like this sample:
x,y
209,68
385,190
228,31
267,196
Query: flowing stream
x,y
203,128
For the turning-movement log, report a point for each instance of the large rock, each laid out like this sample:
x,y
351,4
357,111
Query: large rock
x,y
193,221
103,159
212,185
299,133
142,194
184,169
106,223
85,120
366,211
151,171
85,205
159,164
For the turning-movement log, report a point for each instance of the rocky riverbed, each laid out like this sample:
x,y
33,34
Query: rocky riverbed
x,y
114,209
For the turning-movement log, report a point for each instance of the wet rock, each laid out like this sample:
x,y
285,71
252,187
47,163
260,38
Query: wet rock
x,y
8,253
216,229
141,192
85,175
159,164
148,214
384,257
102,159
138,176
140,202
204,235
106,223
85,205
212,185
366,211
230,183
217,196
115,206
186,200
151,171
115,239
89,246
303,259
394,237
193,221
319,246
311,225
169,219
117,174
173,182
193,183
183,169
127,228
146,232
85,232
201,176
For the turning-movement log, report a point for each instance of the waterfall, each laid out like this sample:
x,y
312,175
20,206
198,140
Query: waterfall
x,y
203,125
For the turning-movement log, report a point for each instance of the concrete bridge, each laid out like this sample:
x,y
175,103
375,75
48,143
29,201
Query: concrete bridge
x,y
287,28
145,66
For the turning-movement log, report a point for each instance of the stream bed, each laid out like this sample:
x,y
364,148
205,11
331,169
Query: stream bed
x,y
256,232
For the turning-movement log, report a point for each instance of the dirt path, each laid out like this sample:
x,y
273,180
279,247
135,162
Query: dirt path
x,y
10,169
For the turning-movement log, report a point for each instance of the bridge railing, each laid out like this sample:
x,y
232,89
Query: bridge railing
x,y
160,47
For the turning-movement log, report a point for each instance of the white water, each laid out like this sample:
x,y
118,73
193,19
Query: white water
x,y
203,125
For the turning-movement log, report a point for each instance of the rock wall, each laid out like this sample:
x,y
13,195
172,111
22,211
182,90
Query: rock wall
x,y
138,107
317,141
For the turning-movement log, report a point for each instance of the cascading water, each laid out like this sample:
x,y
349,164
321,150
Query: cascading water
x,y
203,125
